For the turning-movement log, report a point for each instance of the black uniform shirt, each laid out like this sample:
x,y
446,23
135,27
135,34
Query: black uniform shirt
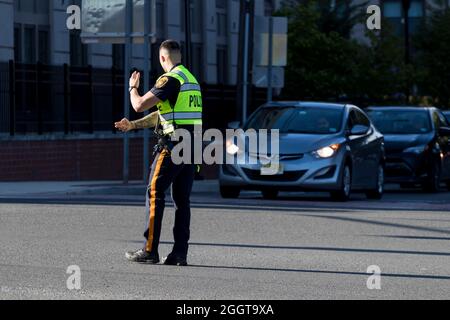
x,y
167,88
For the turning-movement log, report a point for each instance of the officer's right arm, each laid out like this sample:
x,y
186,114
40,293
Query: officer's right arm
x,y
149,121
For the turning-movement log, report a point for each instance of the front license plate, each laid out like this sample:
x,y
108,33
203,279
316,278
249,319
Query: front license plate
x,y
272,169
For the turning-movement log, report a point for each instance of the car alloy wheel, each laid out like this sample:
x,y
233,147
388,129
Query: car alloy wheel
x,y
380,179
347,179
434,178
379,191
346,186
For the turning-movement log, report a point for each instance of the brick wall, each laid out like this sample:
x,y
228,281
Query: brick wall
x,y
72,160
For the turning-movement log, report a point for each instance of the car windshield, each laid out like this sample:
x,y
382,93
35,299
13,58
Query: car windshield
x,y
306,120
401,121
447,115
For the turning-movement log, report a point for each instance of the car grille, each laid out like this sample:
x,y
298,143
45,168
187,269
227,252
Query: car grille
x,y
396,167
289,176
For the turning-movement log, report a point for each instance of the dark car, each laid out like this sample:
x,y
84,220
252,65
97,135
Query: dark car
x,y
447,115
417,145
323,147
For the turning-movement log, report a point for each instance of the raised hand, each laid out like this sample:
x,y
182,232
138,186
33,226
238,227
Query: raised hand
x,y
135,79
124,125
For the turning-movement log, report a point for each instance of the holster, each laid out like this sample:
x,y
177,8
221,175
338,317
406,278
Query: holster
x,y
164,143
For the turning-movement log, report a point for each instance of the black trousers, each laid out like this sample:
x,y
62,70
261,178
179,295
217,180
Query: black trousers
x,y
163,175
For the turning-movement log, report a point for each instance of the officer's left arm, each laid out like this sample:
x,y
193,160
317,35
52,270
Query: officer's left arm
x,y
144,103
141,104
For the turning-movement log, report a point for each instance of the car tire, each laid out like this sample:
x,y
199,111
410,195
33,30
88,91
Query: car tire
x,y
229,192
344,193
377,194
270,194
433,182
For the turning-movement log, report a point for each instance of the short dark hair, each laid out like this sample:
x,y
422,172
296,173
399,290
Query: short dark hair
x,y
171,45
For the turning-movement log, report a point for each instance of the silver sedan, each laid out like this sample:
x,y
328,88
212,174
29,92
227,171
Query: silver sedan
x,y
322,147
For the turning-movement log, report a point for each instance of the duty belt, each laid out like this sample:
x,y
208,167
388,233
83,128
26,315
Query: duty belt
x,y
164,143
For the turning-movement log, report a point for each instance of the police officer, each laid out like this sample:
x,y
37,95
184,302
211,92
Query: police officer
x,y
178,97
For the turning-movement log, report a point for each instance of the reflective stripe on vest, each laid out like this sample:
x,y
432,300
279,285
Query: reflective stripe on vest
x,y
190,87
182,116
188,108
181,74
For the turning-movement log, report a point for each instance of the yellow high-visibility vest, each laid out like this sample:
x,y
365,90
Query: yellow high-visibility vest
x,y
189,106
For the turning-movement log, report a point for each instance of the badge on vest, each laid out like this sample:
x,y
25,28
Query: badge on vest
x,y
161,82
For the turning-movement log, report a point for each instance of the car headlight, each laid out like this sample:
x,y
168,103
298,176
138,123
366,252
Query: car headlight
x,y
327,152
416,150
232,149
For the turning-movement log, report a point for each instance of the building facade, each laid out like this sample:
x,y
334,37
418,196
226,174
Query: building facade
x,y
35,30
72,109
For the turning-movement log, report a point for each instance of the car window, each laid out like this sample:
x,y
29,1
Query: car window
x,y
436,120
439,120
307,120
351,122
442,120
447,116
357,118
401,121
361,119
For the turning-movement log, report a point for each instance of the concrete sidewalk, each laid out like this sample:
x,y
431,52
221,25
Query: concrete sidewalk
x,y
70,188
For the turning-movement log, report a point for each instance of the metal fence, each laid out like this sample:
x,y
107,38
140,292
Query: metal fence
x,y
38,99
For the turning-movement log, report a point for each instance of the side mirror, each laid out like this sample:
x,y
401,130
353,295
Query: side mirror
x,y
234,125
359,130
444,131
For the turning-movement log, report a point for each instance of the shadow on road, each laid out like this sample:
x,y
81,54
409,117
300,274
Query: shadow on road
x,y
389,275
249,204
379,223
326,249
410,237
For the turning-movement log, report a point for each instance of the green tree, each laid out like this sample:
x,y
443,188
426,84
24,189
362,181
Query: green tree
x,y
325,64
382,75
319,63
433,58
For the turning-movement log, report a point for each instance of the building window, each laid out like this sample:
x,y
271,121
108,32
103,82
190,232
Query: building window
x,y
222,65
221,18
393,12
118,56
160,19
44,47
416,15
17,43
221,24
27,6
29,44
32,6
78,50
196,15
41,7
182,15
268,8
197,61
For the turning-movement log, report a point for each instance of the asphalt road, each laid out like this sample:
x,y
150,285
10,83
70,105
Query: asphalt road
x,y
298,247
